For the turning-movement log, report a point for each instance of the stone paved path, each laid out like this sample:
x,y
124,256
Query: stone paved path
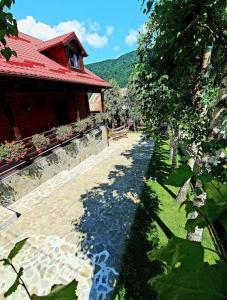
x,y
77,223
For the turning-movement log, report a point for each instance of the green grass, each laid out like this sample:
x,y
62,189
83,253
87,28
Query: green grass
x,y
158,218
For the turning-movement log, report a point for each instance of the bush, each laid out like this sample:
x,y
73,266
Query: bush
x,y
64,132
12,152
82,125
40,142
99,118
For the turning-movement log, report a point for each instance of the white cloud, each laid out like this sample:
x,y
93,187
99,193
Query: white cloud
x,y
96,41
132,37
87,33
109,30
116,48
37,29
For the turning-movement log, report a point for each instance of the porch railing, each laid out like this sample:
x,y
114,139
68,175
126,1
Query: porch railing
x,y
32,153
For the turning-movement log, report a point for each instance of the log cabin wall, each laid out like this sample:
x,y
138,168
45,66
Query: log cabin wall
x,y
35,112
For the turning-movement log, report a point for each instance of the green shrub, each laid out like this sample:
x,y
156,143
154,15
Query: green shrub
x,y
83,124
99,118
12,152
64,132
40,141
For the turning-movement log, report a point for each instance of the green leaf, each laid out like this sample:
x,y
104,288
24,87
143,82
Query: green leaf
x,y
60,292
15,285
16,249
179,176
207,282
7,53
191,224
188,253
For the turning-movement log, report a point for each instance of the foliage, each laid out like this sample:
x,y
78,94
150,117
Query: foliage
x,y
118,69
179,176
13,151
173,85
181,280
8,26
114,102
64,132
133,102
82,125
40,141
99,118
58,292
185,269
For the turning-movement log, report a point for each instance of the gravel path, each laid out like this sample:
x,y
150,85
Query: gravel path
x,y
77,223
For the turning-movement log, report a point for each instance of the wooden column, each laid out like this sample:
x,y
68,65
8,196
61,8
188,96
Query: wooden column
x,y
102,101
87,102
76,106
9,114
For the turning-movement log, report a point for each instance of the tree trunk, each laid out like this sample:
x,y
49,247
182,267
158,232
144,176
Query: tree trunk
x,y
220,107
134,126
199,201
215,130
171,144
173,150
181,197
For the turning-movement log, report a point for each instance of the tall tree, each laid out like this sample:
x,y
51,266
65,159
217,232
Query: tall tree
x,y
114,103
133,103
172,55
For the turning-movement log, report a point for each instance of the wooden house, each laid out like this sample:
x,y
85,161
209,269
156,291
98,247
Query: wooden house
x,y
45,86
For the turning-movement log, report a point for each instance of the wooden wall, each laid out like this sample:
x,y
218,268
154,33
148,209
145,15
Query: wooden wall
x,y
34,112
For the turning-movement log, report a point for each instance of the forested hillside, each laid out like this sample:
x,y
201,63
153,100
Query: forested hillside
x,y
118,69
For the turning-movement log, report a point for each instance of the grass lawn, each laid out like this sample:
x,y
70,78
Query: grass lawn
x,y
157,219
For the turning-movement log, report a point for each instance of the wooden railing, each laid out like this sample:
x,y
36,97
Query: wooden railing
x,y
32,153
119,132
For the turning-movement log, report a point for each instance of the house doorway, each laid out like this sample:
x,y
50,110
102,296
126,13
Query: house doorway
x,y
61,112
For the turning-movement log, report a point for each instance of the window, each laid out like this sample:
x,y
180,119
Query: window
x,y
73,58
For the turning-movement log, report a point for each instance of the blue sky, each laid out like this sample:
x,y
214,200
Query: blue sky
x,y
107,28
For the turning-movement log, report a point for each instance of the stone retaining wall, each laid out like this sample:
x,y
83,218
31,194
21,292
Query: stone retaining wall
x,y
23,181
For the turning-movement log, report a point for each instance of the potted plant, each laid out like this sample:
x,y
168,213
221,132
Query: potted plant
x,y
64,132
80,125
89,121
12,152
40,142
99,118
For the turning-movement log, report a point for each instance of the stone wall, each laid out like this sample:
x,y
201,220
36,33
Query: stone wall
x,y
23,181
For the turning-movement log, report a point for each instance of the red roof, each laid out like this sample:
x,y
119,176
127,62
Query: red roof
x,y
60,40
31,63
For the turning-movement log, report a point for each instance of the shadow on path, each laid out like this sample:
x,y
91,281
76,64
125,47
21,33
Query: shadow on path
x,y
109,213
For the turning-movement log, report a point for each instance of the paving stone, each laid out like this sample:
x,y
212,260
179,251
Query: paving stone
x,y
78,222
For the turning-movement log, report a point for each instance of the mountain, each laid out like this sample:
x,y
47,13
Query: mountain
x,y
118,69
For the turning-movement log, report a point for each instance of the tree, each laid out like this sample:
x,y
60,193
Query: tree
x,y
115,104
133,103
174,48
177,88
8,27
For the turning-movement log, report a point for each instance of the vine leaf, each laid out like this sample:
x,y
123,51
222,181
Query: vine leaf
x,y
16,249
15,285
60,292
177,250
206,282
179,176
7,53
